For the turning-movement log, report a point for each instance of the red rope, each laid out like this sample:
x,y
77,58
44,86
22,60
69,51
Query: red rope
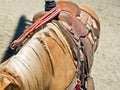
x,y
44,19
78,85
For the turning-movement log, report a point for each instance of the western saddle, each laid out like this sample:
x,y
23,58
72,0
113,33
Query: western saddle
x,y
80,25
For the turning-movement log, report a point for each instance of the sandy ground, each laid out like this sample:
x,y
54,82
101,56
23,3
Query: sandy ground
x,y
14,16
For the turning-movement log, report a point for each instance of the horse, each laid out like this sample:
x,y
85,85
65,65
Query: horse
x,y
53,57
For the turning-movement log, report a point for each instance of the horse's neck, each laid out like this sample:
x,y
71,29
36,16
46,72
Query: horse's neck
x,y
31,65
45,59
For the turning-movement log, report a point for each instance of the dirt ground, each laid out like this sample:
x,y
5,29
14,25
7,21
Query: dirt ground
x,y
15,15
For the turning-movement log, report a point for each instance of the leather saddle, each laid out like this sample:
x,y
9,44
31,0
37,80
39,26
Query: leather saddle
x,y
82,26
70,17
70,12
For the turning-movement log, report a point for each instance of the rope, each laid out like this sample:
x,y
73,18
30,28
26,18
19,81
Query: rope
x,y
44,19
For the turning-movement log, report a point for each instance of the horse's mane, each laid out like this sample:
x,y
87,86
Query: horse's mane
x,y
34,58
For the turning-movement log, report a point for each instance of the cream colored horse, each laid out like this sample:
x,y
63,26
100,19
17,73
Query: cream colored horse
x,y
45,62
